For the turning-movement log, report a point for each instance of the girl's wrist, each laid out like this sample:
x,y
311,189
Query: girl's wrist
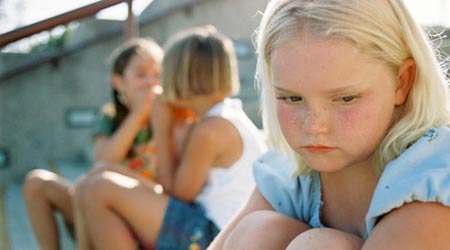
x,y
139,118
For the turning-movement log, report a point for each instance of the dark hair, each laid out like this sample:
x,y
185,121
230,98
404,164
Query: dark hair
x,y
120,59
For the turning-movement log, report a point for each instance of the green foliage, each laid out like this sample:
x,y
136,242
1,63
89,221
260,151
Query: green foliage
x,y
54,43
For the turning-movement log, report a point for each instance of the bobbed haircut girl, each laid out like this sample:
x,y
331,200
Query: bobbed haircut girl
x,y
382,29
199,61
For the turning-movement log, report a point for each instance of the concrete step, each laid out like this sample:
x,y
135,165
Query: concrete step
x,y
15,228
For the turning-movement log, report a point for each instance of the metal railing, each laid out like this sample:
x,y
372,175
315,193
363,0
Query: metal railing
x,y
66,18
89,10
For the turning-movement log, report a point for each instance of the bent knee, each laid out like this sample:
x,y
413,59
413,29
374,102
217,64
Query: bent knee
x,y
263,219
37,181
89,188
264,227
248,230
326,238
260,220
100,187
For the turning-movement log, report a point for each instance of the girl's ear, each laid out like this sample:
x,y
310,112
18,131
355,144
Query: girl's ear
x,y
116,81
406,77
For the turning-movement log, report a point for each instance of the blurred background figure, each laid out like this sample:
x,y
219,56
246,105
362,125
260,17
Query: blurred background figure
x,y
203,179
122,136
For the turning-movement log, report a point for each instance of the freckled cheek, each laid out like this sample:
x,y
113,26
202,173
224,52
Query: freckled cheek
x,y
288,120
347,123
358,123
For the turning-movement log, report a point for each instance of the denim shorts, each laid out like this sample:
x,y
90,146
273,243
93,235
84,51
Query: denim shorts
x,y
185,227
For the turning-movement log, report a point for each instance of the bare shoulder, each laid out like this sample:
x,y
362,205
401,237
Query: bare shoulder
x,y
214,128
415,225
210,141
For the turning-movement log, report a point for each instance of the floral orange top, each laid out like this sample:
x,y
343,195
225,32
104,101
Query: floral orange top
x,y
141,157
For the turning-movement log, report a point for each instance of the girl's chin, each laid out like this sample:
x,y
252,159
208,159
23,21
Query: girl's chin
x,y
324,167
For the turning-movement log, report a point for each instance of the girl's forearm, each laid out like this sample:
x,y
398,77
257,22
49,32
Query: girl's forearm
x,y
166,160
162,124
115,148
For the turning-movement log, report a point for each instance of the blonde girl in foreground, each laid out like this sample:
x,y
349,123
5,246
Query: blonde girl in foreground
x,y
356,105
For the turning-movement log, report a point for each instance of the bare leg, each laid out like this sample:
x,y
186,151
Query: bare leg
x,y
264,230
82,189
45,192
82,235
325,238
118,207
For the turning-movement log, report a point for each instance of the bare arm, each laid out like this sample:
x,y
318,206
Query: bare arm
x,y
255,203
162,124
114,148
415,225
203,147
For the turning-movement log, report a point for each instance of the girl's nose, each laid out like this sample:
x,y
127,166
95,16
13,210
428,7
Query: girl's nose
x,y
316,121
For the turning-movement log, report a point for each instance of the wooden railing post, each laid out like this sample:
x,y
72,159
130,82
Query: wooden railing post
x,y
130,27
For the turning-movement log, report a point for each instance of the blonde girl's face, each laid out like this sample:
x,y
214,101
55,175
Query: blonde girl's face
x,y
334,105
139,76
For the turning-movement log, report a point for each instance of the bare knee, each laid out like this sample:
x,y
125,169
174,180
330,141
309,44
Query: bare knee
x,y
89,189
36,183
99,188
264,230
252,225
325,238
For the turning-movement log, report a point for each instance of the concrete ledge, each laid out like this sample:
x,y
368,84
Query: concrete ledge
x,y
15,228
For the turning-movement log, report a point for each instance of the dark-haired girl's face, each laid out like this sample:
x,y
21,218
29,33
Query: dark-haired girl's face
x,y
140,75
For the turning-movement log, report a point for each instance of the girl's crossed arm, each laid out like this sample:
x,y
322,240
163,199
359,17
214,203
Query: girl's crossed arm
x,y
413,226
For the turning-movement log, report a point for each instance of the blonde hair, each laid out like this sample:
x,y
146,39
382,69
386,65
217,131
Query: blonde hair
x,y
199,61
382,29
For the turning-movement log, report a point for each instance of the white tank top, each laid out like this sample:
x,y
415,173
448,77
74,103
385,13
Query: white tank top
x,y
227,189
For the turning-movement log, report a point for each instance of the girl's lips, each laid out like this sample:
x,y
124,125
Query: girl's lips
x,y
318,149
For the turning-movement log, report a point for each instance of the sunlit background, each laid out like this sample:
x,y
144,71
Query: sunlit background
x,y
16,13
19,13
